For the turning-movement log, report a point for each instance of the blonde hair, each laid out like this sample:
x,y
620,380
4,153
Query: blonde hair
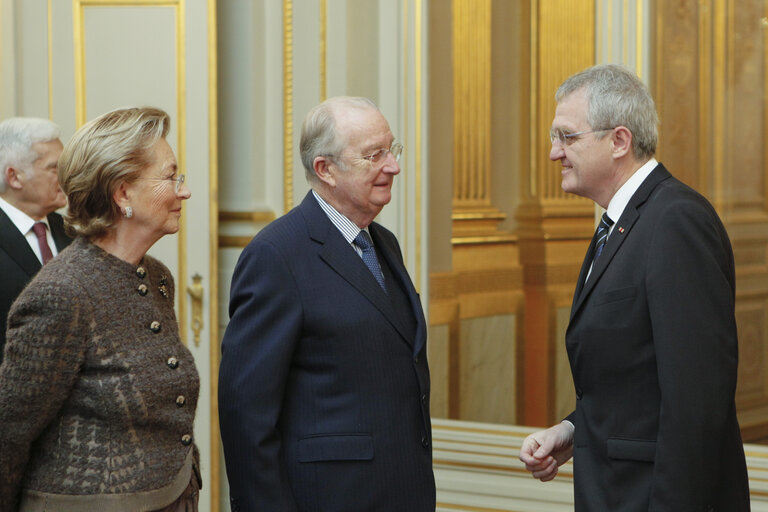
x,y
102,154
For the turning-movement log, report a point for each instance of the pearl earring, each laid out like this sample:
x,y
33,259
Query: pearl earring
x,y
128,212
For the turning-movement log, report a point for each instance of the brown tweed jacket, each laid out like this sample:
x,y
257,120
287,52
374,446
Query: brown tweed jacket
x,y
97,393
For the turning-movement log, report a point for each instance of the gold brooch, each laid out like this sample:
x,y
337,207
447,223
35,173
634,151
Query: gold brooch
x,y
163,286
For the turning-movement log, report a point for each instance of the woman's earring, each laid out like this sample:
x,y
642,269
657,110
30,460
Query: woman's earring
x,y
128,212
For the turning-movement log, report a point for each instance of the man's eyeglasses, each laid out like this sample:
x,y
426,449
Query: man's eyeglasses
x,y
564,138
378,157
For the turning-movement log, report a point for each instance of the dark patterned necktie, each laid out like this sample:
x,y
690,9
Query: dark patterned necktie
x,y
602,235
42,239
364,242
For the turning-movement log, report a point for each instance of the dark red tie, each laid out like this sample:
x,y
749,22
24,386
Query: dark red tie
x,y
42,240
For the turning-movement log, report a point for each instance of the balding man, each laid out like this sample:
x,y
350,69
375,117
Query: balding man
x,y
324,384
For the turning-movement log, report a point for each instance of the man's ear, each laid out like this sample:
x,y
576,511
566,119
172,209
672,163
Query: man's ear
x,y
622,141
14,178
322,166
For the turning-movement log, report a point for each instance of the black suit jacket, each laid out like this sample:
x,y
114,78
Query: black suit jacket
x,y
653,351
18,263
324,384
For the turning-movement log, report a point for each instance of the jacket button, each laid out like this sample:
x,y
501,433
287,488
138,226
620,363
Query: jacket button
x,y
155,327
579,394
425,442
180,401
416,359
186,439
141,272
143,289
424,399
172,363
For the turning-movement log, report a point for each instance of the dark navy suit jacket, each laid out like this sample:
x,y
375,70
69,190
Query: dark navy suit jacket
x,y
324,384
18,263
653,350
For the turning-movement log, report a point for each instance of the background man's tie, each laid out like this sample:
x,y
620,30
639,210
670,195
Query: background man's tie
x,y
602,235
42,240
364,242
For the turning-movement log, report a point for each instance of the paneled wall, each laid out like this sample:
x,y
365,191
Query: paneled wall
x,y
711,86
506,243
505,270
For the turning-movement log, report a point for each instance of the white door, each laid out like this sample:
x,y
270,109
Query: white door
x,y
73,60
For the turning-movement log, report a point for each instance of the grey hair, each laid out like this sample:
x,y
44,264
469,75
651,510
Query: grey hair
x,y
319,136
17,136
617,97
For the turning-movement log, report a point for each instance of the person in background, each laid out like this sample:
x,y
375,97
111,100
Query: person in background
x,y
324,383
31,233
97,392
652,337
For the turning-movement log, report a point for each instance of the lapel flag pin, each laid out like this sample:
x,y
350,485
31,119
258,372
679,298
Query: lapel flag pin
x,y
621,229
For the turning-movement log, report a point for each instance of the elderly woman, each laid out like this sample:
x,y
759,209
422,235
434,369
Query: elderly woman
x,y
97,392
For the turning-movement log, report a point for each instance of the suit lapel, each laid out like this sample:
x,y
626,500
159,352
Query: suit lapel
x,y
16,246
620,231
391,255
342,258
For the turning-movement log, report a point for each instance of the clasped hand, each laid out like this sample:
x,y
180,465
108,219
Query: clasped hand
x,y
544,451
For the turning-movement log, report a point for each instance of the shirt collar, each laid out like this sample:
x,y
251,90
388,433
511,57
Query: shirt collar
x,y
621,198
348,229
21,220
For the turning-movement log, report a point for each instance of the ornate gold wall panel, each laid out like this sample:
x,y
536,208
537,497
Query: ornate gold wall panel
x,y
711,81
471,102
563,42
554,228
501,296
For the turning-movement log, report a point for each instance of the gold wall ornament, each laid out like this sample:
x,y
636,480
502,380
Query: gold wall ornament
x,y
196,292
471,102
472,182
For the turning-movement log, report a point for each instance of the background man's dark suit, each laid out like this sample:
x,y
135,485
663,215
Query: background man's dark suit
x,y
653,351
19,263
324,406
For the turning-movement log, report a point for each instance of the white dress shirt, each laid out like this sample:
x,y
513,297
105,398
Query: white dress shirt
x,y
24,223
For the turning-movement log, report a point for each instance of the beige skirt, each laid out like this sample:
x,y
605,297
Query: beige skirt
x,y
188,500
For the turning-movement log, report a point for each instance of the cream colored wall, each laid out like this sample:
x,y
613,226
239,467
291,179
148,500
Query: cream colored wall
x,y
71,61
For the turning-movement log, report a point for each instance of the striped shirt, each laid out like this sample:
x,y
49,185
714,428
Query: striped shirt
x,y
348,229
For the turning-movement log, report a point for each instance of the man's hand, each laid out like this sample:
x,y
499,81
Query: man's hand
x,y
542,452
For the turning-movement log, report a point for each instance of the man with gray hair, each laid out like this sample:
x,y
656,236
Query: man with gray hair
x,y
31,233
652,337
324,383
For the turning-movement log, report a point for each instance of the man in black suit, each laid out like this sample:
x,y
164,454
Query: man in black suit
x,y
324,384
652,335
30,232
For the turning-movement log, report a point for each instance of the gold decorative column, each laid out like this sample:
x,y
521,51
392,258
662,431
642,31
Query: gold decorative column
x,y
554,228
480,299
473,215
